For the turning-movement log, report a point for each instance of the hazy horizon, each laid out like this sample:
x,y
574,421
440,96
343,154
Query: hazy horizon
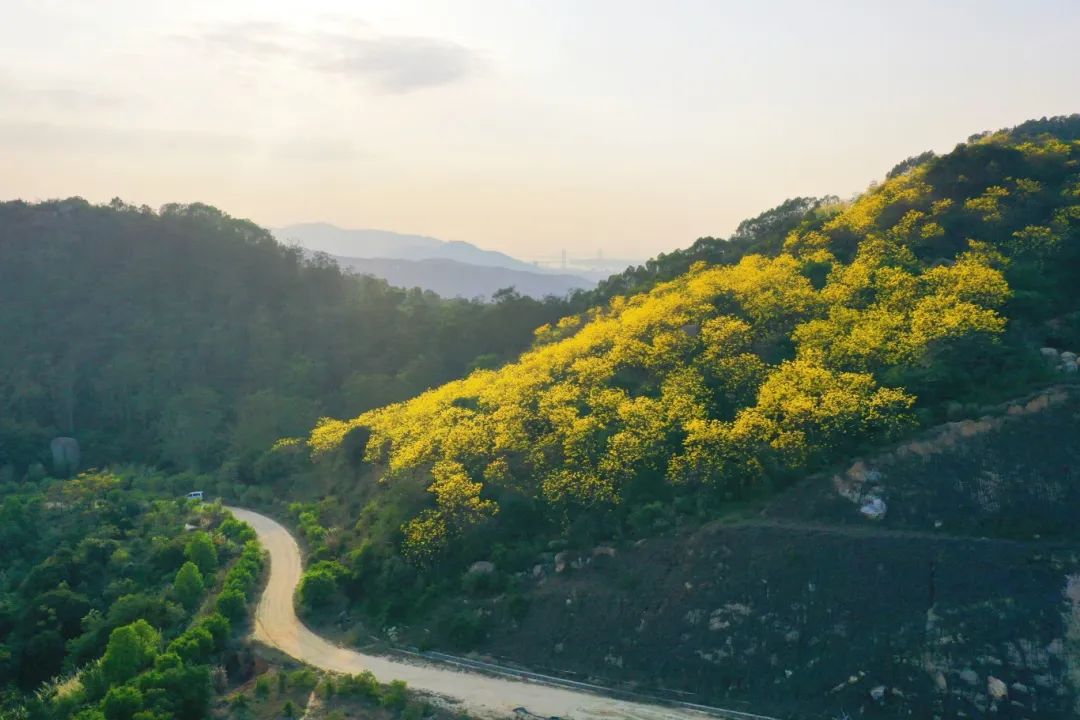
x,y
523,128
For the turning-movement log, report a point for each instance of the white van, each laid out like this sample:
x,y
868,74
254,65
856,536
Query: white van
x,y
195,495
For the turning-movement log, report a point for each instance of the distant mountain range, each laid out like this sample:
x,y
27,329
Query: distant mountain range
x,y
449,268
450,278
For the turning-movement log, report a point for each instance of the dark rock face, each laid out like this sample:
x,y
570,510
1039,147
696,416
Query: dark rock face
x,y
803,621
65,455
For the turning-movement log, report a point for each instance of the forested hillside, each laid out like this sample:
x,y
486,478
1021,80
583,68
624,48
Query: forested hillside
x,y
186,338
134,598
703,381
858,322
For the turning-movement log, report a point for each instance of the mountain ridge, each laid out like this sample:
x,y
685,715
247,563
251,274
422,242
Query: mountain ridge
x,y
453,278
374,243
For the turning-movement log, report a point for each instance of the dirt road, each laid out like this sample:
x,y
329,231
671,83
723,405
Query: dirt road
x,y
277,625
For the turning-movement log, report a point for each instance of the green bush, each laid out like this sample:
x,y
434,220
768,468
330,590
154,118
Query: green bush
x,y
362,685
189,586
232,603
201,551
121,703
319,585
415,710
131,648
394,695
303,679
481,584
194,645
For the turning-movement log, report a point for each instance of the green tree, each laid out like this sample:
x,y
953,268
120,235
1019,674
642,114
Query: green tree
x,y
130,649
201,551
320,583
232,603
121,703
189,586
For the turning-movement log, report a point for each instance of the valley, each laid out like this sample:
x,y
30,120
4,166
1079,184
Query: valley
x,y
823,468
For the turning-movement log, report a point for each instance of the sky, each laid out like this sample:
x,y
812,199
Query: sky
x,y
622,127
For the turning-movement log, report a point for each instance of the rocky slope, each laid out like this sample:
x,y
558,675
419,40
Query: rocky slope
x,y
961,600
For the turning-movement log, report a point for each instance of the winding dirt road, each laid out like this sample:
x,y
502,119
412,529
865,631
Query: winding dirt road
x,y
277,625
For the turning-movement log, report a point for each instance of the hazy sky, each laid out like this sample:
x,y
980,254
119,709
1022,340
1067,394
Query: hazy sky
x,y
631,127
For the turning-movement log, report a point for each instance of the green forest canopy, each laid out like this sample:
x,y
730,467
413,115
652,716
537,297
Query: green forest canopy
x,y
185,338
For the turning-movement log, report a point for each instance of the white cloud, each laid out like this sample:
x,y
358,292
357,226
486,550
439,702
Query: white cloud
x,y
388,63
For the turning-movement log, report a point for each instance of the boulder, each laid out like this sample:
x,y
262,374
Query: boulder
x,y
1067,357
1069,367
996,688
605,550
1049,354
482,567
65,455
877,693
873,507
561,560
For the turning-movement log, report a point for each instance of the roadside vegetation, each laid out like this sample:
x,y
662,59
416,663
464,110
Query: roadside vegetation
x,y
290,691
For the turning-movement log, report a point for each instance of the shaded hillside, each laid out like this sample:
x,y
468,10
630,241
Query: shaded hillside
x,y
184,337
450,278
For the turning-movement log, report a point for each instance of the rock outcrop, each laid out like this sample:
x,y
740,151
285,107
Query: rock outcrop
x,y
65,456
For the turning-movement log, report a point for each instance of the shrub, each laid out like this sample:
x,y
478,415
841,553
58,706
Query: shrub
x,y
218,626
320,583
363,685
394,695
201,551
232,603
189,586
303,679
193,645
130,649
121,703
236,530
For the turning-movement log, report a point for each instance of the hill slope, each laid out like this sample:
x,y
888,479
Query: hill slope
x,y
560,511
184,337
810,610
937,286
